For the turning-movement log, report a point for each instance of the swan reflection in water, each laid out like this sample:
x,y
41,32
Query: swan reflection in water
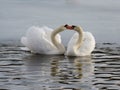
x,y
61,70
74,68
40,62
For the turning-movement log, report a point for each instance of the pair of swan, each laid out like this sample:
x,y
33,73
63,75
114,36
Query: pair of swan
x,y
45,40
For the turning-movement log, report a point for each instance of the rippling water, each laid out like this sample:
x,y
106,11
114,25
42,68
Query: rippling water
x,y
20,70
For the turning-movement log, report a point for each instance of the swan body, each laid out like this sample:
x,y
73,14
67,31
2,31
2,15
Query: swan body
x,y
81,44
43,40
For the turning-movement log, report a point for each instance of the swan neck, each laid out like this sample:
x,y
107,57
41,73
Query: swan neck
x,y
53,37
80,38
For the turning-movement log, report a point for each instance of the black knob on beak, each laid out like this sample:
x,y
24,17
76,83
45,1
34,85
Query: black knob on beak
x,y
65,25
73,26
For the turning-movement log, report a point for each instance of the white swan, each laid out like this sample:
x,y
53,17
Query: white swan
x,y
81,44
44,40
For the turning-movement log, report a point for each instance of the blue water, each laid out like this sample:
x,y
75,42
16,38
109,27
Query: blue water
x,y
101,17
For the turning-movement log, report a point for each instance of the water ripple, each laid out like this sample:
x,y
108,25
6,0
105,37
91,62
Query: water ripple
x,y
22,70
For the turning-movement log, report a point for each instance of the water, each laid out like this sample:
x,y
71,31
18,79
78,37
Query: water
x,y
20,70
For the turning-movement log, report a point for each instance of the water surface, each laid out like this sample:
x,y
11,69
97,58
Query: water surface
x,y
20,70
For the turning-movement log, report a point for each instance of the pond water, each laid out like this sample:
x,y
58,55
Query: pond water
x,y
21,70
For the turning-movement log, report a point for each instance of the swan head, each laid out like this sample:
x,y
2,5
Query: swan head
x,y
76,28
73,27
63,27
68,27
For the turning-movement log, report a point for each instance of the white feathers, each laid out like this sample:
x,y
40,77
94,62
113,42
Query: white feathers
x,y
38,40
85,49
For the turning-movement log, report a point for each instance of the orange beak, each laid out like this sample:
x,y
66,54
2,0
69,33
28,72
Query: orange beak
x,y
68,27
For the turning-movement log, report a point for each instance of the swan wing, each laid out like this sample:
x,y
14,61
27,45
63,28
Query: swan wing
x,y
38,40
48,32
73,40
71,43
87,46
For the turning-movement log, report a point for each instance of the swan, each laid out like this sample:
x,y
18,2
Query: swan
x,y
81,43
44,40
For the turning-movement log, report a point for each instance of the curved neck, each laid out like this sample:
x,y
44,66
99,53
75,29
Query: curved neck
x,y
80,38
54,40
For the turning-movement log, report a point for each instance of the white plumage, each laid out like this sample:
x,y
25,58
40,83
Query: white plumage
x,y
38,40
87,45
